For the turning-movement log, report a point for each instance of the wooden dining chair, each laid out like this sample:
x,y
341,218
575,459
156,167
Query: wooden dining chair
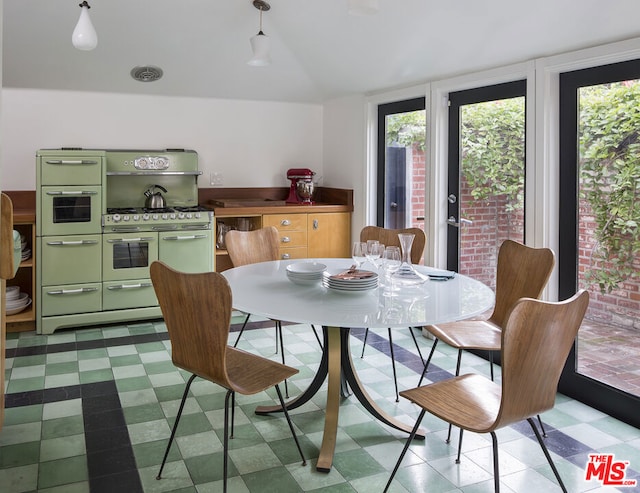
x,y
535,342
197,312
389,237
522,272
250,247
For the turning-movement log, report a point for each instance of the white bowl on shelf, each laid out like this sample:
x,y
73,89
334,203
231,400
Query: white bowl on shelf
x,y
13,311
12,292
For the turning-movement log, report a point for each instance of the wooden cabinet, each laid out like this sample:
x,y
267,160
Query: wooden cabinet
x,y
26,275
329,235
302,235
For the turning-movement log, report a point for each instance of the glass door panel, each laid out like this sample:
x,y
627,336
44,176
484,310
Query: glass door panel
x,y
401,164
486,176
600,231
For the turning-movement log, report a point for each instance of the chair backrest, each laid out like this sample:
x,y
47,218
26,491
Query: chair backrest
x,y
522,272
197,312
389,237
251,247
536,341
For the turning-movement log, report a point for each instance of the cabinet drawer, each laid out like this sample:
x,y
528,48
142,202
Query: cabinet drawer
x,y
71,298
70,170
286,222
62,256
293,239
136,293
287,253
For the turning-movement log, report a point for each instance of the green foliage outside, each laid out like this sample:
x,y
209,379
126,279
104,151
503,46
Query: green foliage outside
x,y
492,140
610,178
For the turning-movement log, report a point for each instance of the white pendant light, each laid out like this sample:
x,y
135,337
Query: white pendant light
x,y
363,7
84,35
260,43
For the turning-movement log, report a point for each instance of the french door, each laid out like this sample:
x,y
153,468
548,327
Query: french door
x,y
401,164
599,237
486,175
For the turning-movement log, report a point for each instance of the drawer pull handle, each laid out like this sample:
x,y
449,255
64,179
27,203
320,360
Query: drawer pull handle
x,y
315,224
285,256
71,291
67,243
69,161
286,239
131,286
190,237
130,240
285,222
72,192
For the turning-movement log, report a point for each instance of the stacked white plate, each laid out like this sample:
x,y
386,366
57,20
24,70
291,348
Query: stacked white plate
x,y
26,251
351,280
16,301
305,272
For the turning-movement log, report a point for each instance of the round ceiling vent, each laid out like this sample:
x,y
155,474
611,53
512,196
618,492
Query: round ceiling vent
x,y
147,73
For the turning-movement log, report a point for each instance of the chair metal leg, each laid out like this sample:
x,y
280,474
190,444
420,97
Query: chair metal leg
x,y
393,365
406,447
459,446
426,365
491,364
364,344
315,333
241,330
175,425
448,440
544,432
496,467
226,440
233,413
280,339
546,454
415,341
293,432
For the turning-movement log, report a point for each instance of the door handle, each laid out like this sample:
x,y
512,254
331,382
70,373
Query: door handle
x,y
452,221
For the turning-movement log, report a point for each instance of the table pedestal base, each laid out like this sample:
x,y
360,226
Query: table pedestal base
x,y
337,364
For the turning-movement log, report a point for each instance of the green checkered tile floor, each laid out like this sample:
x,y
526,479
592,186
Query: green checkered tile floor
x,y
91,409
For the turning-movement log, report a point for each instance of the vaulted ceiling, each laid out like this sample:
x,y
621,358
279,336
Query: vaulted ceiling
x,y
319,52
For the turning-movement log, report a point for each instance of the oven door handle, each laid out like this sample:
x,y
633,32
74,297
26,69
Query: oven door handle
x,y
66,243
130,240
74,161
71,291
190,237
72,192
131,286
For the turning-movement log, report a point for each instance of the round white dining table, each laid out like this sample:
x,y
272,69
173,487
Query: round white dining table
x,y
264,289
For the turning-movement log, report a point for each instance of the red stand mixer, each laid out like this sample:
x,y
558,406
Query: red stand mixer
x,y
302,186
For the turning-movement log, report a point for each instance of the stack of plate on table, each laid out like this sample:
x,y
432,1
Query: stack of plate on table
x,y
26,251
352,280
305,272
16,301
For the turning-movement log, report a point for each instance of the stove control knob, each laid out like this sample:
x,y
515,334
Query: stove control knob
x,y
136,217
125,218
197,215
172,216
145,217
189,215
116,218
155,217
165,216
181,215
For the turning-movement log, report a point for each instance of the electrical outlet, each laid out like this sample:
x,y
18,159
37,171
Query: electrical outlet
x,y
216,179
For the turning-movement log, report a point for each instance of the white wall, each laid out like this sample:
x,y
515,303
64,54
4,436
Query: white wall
x,y
344,151
251,143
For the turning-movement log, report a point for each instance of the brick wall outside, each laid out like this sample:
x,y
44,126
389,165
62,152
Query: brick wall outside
x,y
621,307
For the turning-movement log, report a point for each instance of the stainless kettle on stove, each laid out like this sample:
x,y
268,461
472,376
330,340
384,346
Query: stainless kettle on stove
x,y
155,200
